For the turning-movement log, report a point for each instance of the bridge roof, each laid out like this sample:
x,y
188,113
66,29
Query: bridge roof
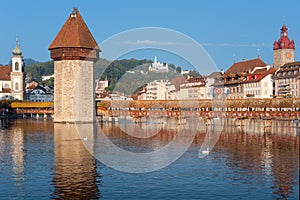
x,y
32,104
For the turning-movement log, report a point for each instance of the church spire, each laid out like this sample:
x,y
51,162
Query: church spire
x,y
284,41
17,51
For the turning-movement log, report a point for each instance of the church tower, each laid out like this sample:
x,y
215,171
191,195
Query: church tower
x,y
74,51
17,81
284,49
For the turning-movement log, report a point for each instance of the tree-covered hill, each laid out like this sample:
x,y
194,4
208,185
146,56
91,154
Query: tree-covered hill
x,y
35,71
116,69
113,71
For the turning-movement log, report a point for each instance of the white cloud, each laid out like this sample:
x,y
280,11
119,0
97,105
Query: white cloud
x,y
148,42
235,45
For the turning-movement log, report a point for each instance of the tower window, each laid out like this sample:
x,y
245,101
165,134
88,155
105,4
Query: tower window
x,y
17,86
16,66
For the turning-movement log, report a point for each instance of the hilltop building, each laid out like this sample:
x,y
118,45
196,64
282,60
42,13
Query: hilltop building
x,y
158,67
12,77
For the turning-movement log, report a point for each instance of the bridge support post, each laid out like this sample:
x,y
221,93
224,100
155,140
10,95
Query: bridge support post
x,y
116,120
296,127
208,121
239,122
268,126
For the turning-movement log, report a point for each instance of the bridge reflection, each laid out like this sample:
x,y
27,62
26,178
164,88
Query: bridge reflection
x,y
252,154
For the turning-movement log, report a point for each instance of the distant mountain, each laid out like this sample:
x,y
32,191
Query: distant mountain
x,y
27,62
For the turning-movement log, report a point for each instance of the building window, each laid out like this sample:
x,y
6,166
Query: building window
x,y
16,66
17,86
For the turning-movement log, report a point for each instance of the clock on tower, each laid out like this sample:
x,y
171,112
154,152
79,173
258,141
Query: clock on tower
x,y
284,49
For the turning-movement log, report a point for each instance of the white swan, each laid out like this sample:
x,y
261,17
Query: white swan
x,y
206,152
84,139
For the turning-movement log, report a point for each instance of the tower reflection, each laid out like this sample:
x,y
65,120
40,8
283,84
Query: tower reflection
x,y
75,167
17,154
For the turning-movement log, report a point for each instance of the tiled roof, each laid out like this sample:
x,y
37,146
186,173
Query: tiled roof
x,y
31,87
74,33
5,90
289,70
5,73
245,66
292,64
177,81
262,72
272,70
214,75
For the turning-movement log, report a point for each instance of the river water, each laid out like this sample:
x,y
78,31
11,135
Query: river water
x,y
43,160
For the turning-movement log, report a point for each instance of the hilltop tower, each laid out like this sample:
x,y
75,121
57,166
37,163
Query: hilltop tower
x,y
74,51
17,82
284,49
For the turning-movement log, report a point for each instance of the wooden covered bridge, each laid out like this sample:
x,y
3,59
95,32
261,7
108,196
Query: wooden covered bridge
x,y
34,109
283,108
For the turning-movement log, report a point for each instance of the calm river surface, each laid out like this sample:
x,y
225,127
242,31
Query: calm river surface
x,y
43,160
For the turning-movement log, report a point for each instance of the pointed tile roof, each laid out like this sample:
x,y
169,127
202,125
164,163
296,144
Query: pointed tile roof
x,y
74,33
284,41
245,66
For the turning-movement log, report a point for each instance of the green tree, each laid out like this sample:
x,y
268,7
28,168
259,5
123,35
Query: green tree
x,y
194,73
49,82
178,69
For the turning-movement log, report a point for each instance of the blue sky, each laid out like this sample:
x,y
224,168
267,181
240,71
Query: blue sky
x,y
228,30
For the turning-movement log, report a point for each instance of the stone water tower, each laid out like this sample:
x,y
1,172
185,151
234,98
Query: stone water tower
x,y
74,51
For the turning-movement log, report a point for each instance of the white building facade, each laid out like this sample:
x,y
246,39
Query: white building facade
x,y
40,94
156,90
261,84
193,88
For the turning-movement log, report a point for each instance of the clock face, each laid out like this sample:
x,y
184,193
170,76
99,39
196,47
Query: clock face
x,y
288,55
